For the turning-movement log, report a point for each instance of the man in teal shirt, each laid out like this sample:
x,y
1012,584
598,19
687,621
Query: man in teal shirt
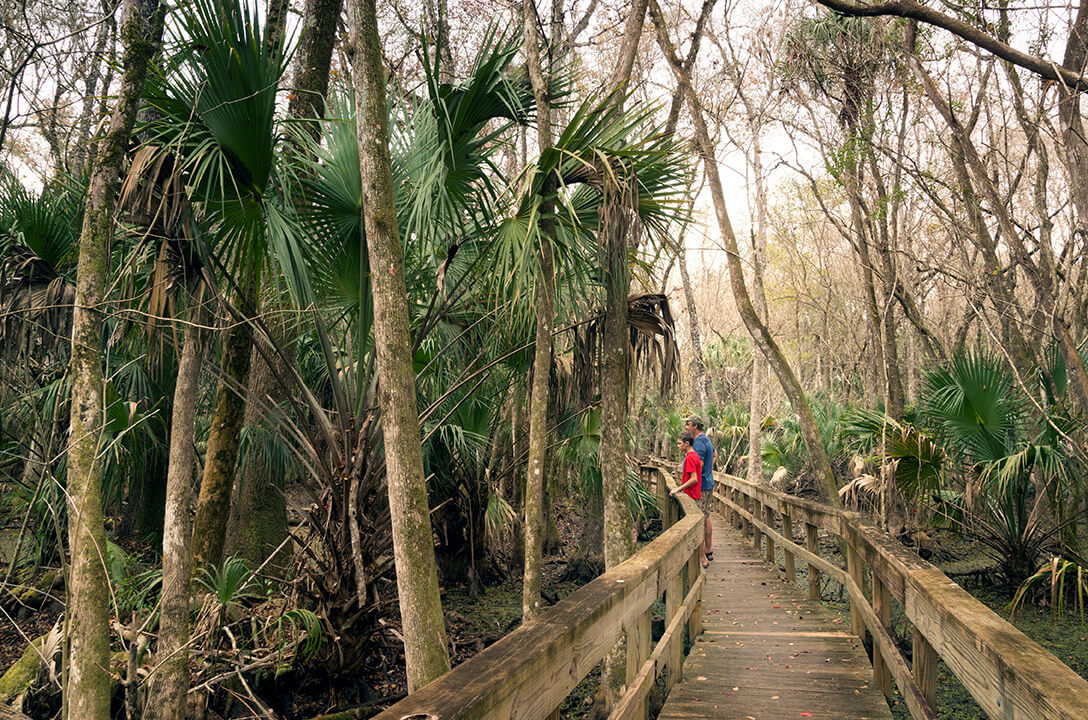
x,y
705,450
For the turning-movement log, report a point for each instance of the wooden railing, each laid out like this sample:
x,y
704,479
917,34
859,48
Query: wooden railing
x,y
529,673
1009,675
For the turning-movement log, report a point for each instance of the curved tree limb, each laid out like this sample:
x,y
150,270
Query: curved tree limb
x,y
1047,69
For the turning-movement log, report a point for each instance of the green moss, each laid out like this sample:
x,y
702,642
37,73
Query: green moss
x,y
20,675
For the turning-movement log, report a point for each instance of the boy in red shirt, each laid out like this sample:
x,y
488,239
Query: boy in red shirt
x,y
692,473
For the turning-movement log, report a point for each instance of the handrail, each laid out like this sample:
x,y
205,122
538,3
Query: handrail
x,y
529,673
1008,674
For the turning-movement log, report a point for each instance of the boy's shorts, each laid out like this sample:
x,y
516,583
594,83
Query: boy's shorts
x,y
706,502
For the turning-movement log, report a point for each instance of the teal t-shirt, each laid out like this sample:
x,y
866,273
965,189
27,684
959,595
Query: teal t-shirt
x,y
705,450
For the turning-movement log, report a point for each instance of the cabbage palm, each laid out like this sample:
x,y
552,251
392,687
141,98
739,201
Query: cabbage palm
x,y
1012,462
446,186
213,106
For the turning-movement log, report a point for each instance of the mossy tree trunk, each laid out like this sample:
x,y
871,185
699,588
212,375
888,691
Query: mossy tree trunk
x,y
257,525
542,354
228,414
169,686
258,508
618,207
315,45
759,301
87,695
425,651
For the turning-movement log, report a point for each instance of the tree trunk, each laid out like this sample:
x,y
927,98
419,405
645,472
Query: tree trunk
x,y
1041,271
825,478
315,46
617,206
168,688
213,503
759,301
425,652
258,506
702,386
893,380
618,544
542,357
276,23
615,345
88,693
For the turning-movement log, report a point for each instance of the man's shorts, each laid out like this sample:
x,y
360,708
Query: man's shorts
x,y
706,502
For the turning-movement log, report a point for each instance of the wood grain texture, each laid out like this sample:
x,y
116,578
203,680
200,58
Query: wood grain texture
x,y
528,673
766,651
1008,674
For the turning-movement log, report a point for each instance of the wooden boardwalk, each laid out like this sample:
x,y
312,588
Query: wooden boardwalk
x,y
767,652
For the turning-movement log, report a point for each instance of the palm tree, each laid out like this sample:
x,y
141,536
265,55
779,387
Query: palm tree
x,y
214,108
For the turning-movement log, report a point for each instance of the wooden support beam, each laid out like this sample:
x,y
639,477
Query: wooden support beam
x,y
787,550
882,607
662,499
769,515
813,573
925,669
856,570
675,653
695,571
639,646
757,534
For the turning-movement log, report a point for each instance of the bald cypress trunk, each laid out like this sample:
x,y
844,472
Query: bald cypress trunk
x,y
88,691
424,630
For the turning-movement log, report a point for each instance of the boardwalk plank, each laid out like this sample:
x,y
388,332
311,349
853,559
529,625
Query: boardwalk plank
x,y
767,652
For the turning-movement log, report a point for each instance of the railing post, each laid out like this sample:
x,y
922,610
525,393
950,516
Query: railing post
x,y
662,498
639,641
856,569
757,514
675,654
768,515
695,620
787,551
882,607
813,573
925,669
744,518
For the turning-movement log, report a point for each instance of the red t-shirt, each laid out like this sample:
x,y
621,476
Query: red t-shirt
x,y
692,464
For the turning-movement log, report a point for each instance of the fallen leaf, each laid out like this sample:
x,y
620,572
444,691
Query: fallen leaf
x,y
804,714
774,697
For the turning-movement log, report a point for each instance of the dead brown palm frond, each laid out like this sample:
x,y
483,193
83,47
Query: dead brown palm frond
x,y
35,306
154,197
652,342
861,492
